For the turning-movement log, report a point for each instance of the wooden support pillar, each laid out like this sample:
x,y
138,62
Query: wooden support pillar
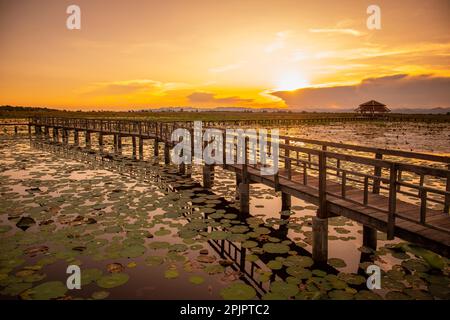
x,y
392,205
285,201
182,168
182,165
119,144
141,148
115,144
320,240
63,135
88,139
76,138
16,130
166,153
238,182
155,147
55,134
447,197
370,237
100,141
133,142
244,185
47,133
244,198
208,175
29,130
320,222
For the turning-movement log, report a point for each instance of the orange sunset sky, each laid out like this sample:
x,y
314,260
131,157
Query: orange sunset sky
x,y
295,54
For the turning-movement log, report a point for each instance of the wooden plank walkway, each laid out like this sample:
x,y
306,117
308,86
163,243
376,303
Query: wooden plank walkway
x,y
434,234
358,182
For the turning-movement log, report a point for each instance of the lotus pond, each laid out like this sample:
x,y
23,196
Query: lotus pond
x,y
138,230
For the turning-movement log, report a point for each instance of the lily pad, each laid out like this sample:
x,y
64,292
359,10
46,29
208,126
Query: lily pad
x,y
299,272
154,261
218,235
284,288
275,265
434,260
159,245
90,275
337,263
15,289
171,273
196,279
113,280
46,291
249,244
276,248
133,251
238,291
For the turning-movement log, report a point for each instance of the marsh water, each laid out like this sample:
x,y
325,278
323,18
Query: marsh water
x,y
140,230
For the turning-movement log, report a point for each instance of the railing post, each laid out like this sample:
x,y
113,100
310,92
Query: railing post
x,y
392,200
224,148
377,173
141,148
287,163
366,191
423,205
447,196
343,184
322,213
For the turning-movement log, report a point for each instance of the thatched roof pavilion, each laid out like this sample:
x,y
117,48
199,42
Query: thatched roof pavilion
x,y
372,107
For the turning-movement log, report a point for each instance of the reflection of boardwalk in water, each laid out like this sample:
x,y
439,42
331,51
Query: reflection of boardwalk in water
x,y
226,249
382,189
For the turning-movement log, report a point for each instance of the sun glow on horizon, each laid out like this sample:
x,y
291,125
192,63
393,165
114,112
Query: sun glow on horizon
x,y
291,81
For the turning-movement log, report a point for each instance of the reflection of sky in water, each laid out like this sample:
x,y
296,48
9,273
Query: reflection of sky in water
x,y
410,136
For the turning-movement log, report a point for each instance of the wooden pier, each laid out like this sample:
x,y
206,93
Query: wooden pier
x,y
404,194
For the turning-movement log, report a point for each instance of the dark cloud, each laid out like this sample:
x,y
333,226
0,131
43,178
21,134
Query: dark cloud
x,y
206,97
397,91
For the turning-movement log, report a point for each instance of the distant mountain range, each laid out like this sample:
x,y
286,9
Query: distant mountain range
x,y
214,109
427,111
242,109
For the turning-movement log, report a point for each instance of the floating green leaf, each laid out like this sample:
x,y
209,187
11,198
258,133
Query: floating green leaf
x,y
238,291
113,280
99,295
275,248
171,273
46,291
196,279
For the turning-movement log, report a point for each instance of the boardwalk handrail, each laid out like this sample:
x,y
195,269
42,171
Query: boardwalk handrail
x,y
151,124
383,175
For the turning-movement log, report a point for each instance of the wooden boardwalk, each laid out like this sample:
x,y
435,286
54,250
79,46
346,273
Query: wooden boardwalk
x,y
405,194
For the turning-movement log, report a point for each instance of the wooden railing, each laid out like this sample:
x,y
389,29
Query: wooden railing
x,y
383,170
